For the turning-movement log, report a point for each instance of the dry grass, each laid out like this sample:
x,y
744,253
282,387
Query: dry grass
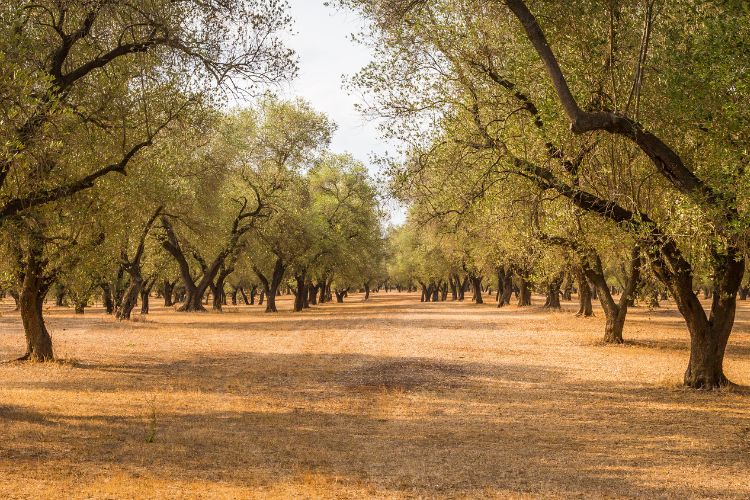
x,y
392,398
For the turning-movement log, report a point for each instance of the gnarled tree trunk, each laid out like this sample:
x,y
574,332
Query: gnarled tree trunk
x,y
33,290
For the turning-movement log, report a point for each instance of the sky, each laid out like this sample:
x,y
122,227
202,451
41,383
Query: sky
x,y
322,40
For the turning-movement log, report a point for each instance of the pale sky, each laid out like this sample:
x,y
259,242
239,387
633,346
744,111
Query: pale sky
x,y
326,53
322,40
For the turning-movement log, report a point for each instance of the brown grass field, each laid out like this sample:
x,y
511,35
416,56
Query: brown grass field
x,y
389,398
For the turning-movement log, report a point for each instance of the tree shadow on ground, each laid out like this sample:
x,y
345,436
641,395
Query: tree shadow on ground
x,y
421,425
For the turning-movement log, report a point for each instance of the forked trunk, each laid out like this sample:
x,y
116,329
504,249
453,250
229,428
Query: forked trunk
x,y
129,298
340,294
614,312
708,334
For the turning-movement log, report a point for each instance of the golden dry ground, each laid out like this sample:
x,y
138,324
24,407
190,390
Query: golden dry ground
x,y
389,398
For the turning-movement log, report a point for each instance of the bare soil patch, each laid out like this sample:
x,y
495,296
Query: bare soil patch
x,y
389,398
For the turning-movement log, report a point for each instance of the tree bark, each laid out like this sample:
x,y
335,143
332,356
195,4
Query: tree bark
x,y
33,290
476,285
708,334
553,293
271,287
168,291
614,313
145,300
524,292
300,293
109,305
130,297
585,308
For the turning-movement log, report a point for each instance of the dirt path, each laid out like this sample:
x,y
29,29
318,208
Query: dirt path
x,y
391,398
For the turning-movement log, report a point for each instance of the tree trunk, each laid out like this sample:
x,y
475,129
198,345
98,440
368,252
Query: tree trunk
x,y
614,313
567,291
462,289
33,290
524,292
168,290
476,285
217,290
60,295
553,293
129,298
708,334
367,290
312,292
235,291
340,294
300,292
585,308
145,303
109,305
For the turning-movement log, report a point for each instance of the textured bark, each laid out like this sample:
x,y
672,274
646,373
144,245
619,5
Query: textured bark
x,y
585,308
33,291
129,298
708,334
614,312
435,292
